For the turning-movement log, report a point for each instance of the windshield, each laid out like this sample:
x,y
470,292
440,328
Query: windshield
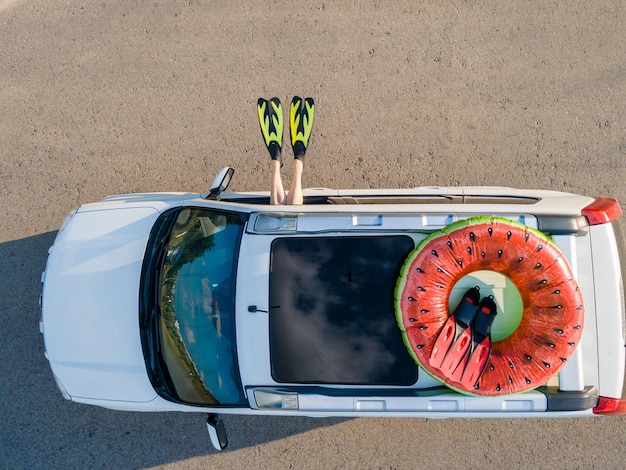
x,y
196,299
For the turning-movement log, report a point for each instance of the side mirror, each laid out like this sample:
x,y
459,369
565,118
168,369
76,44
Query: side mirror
x,y
217,432
220,182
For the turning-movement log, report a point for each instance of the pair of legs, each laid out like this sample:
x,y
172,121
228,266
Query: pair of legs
x,y
277,191
301,114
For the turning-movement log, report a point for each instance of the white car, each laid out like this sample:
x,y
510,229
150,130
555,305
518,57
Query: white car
x,y
223,303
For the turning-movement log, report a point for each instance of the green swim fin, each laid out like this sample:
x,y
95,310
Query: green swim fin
x,y
271,121
301,114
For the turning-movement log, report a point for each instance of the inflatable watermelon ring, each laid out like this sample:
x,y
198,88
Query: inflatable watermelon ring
x,y
553,312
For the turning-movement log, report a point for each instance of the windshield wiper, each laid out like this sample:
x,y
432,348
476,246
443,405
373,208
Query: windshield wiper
x,y
149,310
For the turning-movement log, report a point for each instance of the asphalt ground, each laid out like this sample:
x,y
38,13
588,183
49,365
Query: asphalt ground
x,y
108,97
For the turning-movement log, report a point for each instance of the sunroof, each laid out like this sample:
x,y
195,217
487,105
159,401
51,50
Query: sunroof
x,y
332,312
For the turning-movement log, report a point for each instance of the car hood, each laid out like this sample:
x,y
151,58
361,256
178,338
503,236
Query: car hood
x,y
90,304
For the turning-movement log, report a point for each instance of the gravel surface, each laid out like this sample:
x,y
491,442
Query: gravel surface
x,y
99,98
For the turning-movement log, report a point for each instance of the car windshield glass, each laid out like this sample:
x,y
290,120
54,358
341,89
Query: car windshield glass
x,y
197,305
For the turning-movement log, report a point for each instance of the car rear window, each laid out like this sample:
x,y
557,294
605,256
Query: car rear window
x,y
332,315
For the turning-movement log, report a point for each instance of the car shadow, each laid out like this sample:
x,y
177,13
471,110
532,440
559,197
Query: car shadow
x,y
40,427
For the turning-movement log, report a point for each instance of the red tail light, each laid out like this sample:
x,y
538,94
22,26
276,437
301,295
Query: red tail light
x,y
602,211
610,406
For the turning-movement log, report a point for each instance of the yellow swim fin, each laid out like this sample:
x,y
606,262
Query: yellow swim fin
x,y
301,114
271,121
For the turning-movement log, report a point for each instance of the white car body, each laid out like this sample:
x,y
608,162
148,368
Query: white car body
x,y
91,288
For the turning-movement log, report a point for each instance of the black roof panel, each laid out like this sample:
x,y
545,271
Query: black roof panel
x,y
332,311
